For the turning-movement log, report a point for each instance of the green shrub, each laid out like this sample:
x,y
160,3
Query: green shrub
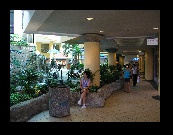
x,y
16,98
42,88
93,88
15,39
12,88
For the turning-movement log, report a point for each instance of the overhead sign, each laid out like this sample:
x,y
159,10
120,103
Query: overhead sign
x,y
153,41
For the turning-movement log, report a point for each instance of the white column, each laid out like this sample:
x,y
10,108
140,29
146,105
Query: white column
x,y
18,22
92,60
112,56
92,55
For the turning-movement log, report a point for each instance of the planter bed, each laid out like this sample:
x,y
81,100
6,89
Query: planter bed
x,y
25,110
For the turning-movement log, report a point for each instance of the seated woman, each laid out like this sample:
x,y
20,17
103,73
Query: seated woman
x,y
84,85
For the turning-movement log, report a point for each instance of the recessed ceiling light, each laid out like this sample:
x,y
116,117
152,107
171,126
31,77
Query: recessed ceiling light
x,y
89,19
155,28
127,29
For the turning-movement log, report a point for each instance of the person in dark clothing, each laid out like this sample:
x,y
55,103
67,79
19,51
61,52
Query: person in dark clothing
x,y
135,71
59,67
55,75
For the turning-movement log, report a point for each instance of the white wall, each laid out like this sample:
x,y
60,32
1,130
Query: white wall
x,y
18,22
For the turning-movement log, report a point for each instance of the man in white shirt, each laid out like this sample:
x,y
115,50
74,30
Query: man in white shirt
x,y
135,71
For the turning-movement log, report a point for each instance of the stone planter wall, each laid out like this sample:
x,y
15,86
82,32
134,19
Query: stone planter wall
x,y
27,109
98,99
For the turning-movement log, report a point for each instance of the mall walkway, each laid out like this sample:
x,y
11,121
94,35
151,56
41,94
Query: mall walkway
x,y
137,106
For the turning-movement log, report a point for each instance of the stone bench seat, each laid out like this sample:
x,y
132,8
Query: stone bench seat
x,y
96,99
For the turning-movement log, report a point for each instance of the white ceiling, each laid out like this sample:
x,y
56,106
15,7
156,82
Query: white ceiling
x,y
47,38
125,30
54,38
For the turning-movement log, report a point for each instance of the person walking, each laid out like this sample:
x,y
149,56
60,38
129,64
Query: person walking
x,y
127,74
135,71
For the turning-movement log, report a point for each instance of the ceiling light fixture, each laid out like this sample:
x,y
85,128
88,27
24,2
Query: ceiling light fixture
x,y
155,28
89,19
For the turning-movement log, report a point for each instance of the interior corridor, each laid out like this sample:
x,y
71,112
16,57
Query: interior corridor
x,y
137,106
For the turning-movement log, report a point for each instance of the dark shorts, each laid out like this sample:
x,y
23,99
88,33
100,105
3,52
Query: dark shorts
x,y
127,79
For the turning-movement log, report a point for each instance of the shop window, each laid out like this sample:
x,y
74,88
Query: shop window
x,y
44,48
57,47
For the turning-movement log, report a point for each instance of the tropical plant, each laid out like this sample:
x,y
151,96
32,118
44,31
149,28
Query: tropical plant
x,y
52,63
74,86
52,82
93,88
16,98
74,49
109,73
41,88
15,39
91,74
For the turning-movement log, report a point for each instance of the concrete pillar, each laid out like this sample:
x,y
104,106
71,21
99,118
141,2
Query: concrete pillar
x,y
149,64
50,48
112,56
121,60
92,55
141,63
123,57
38,44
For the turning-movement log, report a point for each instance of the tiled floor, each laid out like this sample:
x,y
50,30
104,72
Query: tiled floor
x,y
137,106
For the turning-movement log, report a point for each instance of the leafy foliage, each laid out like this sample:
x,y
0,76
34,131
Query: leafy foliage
x,y
109,73
72,84
77,66
71,48
16,98
52,63
15,39
53,82
29,76
41,88
93,88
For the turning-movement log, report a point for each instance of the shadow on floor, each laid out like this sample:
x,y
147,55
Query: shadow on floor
x,y
156,97
154,84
